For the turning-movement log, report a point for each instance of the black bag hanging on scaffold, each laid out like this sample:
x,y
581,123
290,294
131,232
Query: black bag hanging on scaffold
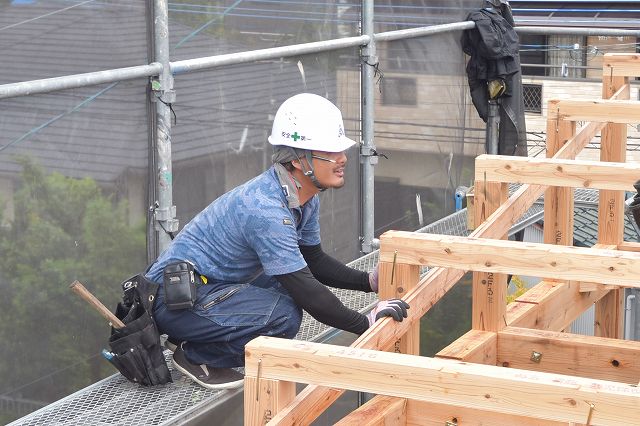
x,y
135,349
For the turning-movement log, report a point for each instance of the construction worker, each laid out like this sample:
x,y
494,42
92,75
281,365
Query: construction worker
x,y
257,252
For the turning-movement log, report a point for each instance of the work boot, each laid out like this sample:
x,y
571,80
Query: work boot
x,y
204,375
171,343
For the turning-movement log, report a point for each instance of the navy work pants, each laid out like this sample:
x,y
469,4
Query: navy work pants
x,y
226,317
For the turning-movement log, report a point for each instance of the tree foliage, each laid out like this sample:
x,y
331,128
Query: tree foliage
x,y
64,229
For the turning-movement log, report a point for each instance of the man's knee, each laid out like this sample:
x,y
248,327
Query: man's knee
x,y
287,323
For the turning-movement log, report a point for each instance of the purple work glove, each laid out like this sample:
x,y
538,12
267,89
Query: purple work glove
x,y
373,278
394,308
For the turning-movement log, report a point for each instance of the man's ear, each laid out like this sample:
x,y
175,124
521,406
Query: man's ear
x,y
296,164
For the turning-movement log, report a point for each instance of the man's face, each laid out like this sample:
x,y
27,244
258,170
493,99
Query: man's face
x,y
329,168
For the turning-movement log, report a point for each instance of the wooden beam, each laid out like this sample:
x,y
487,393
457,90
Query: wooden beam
x,y
509,391
569,173
420,413
513,257
601,110
474,346
552,310
589,287
571,354
381,410
553,305
621,64
629,246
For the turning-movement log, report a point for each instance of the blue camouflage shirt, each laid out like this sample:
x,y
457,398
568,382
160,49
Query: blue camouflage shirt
x,y
247,231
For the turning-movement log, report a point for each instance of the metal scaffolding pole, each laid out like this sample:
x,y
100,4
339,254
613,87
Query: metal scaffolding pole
x,y
164,96
190,65
198,64
368,157
578,31
74,81
424,31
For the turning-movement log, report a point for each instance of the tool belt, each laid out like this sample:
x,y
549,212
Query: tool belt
x,y
135,349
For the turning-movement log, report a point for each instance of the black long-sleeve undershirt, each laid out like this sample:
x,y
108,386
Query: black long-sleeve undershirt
x,y
315,298
333,273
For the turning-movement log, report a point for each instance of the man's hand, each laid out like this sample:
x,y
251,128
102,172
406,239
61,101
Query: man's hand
x,y
394,308
373,278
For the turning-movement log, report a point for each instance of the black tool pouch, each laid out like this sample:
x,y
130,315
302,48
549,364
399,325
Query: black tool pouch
x,y
179,285
136,349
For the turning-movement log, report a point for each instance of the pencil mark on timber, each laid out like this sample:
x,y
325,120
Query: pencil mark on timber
x,y
612,204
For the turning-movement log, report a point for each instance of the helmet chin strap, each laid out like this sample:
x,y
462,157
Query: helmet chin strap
x,y
310,173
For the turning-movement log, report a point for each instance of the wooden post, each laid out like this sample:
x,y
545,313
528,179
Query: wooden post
x,y
489,289
558,201
264,398
609,310
394,281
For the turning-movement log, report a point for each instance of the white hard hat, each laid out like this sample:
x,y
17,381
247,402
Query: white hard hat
x,y
311,122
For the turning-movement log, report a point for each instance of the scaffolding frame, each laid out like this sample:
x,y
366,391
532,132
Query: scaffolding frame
x,y
161,71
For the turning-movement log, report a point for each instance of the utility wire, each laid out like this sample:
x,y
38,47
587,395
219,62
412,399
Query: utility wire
x,y
58,117
44,16
203,27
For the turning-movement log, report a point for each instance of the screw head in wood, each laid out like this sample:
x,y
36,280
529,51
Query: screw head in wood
x,y
536,356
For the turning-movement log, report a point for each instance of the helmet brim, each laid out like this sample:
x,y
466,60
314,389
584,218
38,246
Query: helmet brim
x,y
340,145
337,145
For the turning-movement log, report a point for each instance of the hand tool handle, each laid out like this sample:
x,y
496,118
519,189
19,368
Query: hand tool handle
x,y
81,291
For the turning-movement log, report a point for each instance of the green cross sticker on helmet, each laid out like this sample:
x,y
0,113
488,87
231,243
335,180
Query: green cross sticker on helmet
x,y
308,121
